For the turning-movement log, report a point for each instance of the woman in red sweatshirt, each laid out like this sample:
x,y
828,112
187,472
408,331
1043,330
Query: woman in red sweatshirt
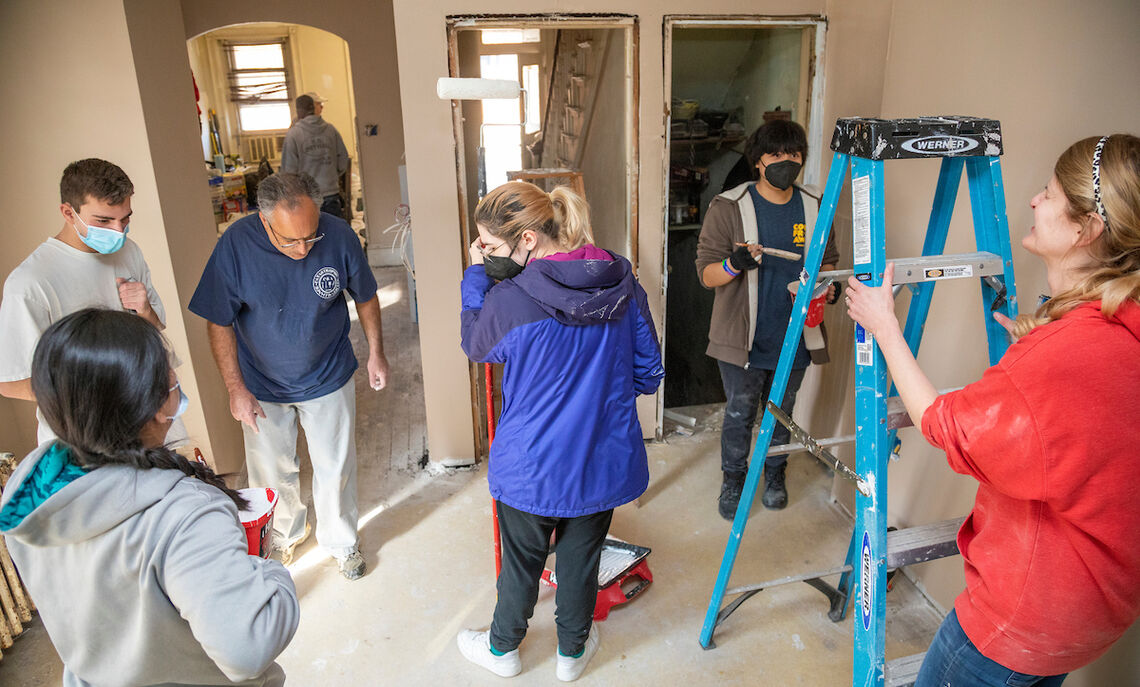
x,y
1051,434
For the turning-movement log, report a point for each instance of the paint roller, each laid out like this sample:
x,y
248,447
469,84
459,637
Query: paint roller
x,y
451,88
476,89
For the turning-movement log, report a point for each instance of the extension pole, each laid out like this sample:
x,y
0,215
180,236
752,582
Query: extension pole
x,y
490,377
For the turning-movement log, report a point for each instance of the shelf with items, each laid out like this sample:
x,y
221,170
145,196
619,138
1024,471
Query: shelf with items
x,y
705,144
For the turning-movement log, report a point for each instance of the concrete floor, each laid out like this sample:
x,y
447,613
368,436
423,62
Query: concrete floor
x,y
427,541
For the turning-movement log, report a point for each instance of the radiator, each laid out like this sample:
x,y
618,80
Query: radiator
x,y
262,145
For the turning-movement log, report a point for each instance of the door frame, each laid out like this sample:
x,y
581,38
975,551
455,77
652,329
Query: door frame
x,y
815,85
630,25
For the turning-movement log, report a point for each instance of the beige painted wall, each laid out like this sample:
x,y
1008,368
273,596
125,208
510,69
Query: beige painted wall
x,y
324,67
1053,72
156,40
96,112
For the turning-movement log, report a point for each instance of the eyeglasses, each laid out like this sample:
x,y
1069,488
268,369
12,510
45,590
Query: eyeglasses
x,y
294,242
486,250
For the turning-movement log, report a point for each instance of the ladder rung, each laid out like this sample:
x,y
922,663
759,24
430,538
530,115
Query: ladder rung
x,y
935,267
923,543
789,580
904,547
902,672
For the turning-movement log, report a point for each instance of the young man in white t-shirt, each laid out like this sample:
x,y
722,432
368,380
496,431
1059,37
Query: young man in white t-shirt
x,y
89,263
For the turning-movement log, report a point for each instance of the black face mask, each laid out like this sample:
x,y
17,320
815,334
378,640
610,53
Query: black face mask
x,y
782,174
499,267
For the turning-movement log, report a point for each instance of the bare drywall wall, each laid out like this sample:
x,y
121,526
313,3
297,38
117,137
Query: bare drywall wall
x,y
1051,71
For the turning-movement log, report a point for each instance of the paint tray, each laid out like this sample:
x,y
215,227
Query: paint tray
x,y
621,562
618,558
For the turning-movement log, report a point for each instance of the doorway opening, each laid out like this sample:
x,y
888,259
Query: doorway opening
x,y
724,77
575,121
248,77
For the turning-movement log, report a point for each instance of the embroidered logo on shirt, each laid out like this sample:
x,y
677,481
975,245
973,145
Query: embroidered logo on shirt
x,y
326,282
798,233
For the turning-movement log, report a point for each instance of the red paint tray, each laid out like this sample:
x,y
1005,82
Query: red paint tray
x,y
622,563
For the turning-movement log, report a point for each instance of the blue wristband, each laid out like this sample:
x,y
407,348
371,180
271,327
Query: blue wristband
x,y
724,264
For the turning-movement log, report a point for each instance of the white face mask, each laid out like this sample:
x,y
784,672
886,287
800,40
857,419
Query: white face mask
x,y
183,402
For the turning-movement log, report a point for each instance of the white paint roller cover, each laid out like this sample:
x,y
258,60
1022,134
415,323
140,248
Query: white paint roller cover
x,y
476,89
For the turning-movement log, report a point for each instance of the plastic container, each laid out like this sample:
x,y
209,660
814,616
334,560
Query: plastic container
x,y
685,109
257,520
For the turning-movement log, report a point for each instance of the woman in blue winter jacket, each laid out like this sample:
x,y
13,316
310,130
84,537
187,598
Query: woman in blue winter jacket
x,y
572,327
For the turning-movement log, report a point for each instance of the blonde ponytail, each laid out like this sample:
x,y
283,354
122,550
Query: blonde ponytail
x,y
571,217
562,215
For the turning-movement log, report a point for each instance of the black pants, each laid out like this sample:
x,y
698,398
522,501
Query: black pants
x,y
334,205
745,391
525,540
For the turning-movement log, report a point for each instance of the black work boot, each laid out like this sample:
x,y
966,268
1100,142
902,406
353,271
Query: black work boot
x,y
775,493
730,490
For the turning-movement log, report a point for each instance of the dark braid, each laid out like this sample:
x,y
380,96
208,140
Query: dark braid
x,y
160,458
100,378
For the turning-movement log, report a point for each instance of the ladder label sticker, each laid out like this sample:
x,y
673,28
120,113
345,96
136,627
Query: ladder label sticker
x,y
952,272
864,346
865,586
861,224
939,145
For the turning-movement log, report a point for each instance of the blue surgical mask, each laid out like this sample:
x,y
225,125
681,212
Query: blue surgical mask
x,y
183,401
101,239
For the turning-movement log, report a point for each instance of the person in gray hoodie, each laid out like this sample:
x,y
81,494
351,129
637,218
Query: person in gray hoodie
x,y
314,147
134,555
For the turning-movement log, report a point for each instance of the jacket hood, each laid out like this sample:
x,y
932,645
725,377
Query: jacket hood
x,y
313,123
88,506
580,292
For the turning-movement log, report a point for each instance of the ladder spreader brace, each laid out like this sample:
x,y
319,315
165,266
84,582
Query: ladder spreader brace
x,y
861,144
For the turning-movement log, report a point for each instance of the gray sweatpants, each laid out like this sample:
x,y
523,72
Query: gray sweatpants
x,y
271,458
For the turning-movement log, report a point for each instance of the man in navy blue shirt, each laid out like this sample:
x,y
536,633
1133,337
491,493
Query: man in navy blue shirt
x,y
278,323
751,302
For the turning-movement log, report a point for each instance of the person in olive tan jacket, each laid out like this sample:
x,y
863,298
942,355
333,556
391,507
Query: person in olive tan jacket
x,y
752,303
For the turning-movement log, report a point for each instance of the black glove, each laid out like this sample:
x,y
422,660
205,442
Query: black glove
x,y
835,293
741,259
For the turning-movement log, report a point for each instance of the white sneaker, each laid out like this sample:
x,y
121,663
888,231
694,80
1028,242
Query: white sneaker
x,y
570,669
476,647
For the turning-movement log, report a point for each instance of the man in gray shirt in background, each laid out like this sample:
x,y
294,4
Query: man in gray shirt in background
x,y
314,147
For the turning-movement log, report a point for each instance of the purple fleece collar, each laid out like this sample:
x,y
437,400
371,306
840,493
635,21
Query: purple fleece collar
x,y
586,252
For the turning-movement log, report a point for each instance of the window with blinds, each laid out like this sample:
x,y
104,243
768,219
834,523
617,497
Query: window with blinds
x,y
259,85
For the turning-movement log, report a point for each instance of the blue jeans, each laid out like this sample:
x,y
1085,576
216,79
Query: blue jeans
x,y
744,390
954,660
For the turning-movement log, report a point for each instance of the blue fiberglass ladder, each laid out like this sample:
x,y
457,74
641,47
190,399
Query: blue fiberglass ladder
x,y
960,142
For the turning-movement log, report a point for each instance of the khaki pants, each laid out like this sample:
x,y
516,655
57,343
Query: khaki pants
x,y
271,459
